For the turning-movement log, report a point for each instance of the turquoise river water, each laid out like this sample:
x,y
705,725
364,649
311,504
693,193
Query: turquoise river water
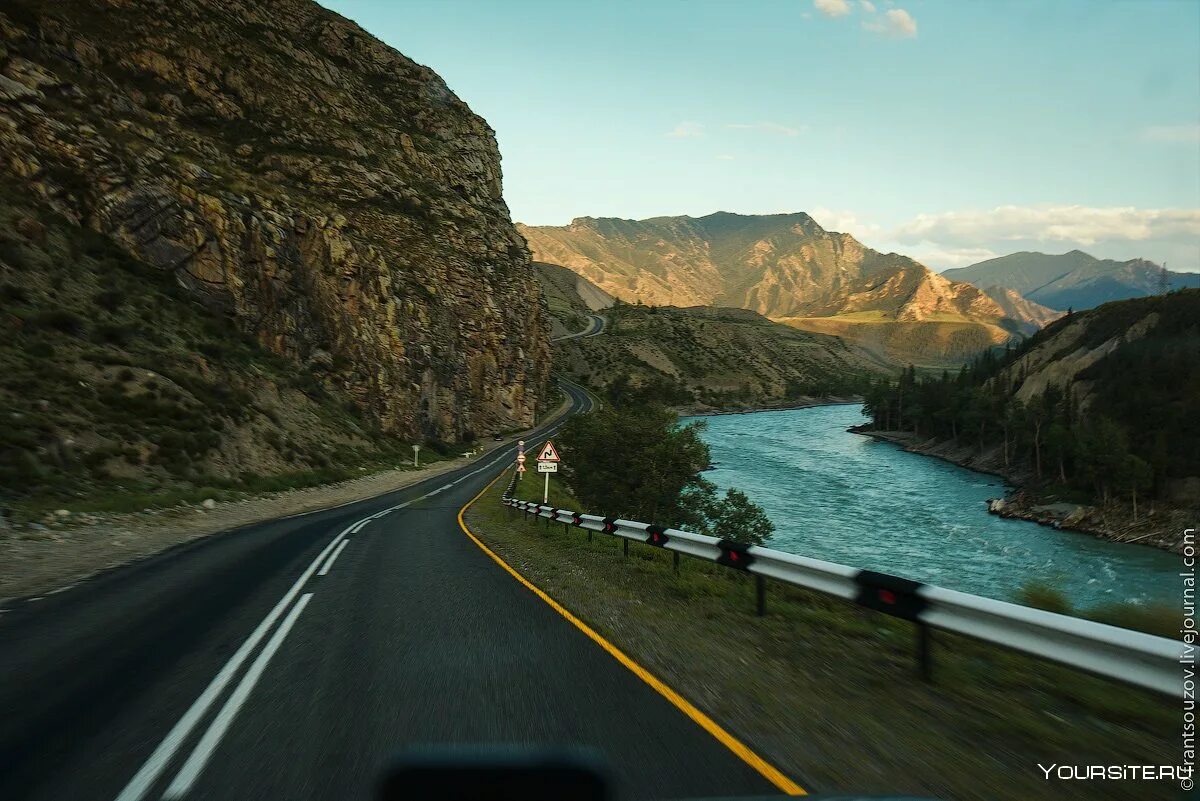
x,y
849,499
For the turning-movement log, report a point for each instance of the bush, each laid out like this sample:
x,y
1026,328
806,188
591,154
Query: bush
x,y
1040,596
13,294
61,320
109,299
1160,619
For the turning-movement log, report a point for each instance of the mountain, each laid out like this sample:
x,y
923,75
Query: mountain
x,y
772,264
1070,280
707,357
785,267
246,233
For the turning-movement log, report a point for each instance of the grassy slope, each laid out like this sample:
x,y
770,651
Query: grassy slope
x,y
827,692
719,357
943,340
119,391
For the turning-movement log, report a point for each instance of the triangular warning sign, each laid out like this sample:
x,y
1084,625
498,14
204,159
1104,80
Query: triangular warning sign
x,y
548,454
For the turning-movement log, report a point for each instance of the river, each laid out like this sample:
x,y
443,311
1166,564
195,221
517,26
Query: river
x,y
849,499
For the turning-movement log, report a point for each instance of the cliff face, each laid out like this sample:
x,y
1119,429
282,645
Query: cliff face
x,y
329,195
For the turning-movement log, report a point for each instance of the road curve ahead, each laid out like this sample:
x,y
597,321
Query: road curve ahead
x,y
595,327
290,659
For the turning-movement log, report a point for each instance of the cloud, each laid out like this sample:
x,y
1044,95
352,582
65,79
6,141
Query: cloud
x,y
1172,134
832,8
686,130
768,127
945,258
895,22
867,6
843,222
1081,225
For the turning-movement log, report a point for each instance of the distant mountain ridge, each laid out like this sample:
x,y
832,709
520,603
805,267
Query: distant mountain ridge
x,y
1068,280
772,264
788,268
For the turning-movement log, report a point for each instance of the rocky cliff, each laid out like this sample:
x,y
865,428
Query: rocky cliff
x,y
319,190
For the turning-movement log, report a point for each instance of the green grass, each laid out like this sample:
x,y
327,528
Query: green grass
x,y
828,691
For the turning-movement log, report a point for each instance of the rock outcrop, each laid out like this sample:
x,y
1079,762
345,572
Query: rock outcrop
x,y
332,197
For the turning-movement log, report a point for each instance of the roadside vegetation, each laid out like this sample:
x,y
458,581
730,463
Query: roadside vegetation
x,y
655,474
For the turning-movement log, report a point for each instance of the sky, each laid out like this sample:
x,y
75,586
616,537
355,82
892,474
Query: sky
x,y
949,131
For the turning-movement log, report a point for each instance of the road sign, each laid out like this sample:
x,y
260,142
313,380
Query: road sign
x,y
547,467
521,444
520,458
520,468
548,453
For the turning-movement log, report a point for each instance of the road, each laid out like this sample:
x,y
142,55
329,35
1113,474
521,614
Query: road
x,y
289,659
595,327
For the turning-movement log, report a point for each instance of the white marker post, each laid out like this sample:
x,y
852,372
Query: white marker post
x,y
520,466
548,463
416,452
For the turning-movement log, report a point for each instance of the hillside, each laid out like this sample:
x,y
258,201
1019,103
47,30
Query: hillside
x,y
1030,315
1098,408
911,315
716,358
239,241
785,267
569,297
1069,280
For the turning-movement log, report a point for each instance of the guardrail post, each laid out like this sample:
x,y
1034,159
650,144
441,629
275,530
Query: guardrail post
x,y
760,589
924,652
675,561
625,546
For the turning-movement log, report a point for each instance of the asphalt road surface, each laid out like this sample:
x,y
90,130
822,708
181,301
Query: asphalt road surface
x,y
595,327
291,659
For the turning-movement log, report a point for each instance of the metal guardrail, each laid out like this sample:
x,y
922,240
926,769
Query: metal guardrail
x,y
1133,657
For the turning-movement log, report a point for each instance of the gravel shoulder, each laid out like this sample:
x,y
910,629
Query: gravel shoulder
x,y
37,561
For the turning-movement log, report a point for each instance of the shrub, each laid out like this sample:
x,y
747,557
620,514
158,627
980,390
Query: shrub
x,y
61,320
109,299
1040,596
13,294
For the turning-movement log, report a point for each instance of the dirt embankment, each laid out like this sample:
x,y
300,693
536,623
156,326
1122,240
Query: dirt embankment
x,y
1156,524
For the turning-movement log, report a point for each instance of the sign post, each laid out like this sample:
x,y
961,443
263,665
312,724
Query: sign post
x,y
520,466
547,460
416,452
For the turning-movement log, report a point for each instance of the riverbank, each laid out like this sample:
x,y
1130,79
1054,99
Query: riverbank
x,y
1157,525
804,402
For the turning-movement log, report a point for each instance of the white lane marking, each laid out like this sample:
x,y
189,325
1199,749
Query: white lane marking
x,y
333,557
157,762
359,525
212,738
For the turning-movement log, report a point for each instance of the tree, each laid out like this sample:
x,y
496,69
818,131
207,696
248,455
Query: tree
x,y
738,518
1137,475
633,462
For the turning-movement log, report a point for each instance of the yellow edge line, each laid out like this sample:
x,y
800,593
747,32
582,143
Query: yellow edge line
x,y
769,771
